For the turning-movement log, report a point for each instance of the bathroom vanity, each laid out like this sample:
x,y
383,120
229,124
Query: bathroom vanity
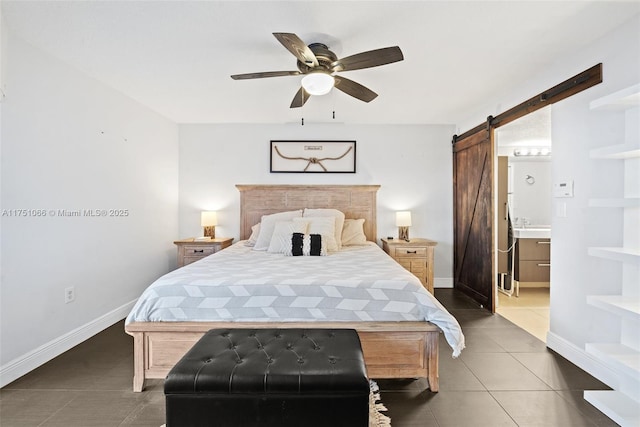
x,y
532,255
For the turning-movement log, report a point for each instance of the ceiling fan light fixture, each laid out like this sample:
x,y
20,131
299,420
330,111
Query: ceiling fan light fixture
x,y
316,63
318,83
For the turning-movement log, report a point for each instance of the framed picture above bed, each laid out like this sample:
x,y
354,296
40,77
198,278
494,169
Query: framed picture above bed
x,y
313,156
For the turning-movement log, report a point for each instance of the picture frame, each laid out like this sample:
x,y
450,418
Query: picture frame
x,y
291,156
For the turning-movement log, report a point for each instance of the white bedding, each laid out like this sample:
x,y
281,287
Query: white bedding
x,y
359,283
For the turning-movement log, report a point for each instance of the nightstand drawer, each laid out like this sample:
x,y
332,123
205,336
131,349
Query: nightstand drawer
x,y
198,251
410,253
191,250
415,256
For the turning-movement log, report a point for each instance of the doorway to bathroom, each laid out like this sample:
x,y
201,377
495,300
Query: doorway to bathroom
x,y
474,244
523,185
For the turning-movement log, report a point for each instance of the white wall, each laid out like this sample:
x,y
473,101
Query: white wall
x,y
530,201
575,131
71,143
3,36
413,165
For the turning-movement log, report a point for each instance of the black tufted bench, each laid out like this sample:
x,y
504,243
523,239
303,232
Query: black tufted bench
x,y
270,378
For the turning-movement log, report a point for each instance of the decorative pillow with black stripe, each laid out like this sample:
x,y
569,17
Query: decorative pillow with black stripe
x,y
307,245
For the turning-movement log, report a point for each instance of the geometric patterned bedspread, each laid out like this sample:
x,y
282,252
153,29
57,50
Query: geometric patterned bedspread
x,y
360,283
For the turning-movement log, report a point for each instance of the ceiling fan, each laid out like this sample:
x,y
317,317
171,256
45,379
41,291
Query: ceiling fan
x,y
319,64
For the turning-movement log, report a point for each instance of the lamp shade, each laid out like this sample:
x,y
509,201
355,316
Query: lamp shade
x,y
318,83
208,218
403,219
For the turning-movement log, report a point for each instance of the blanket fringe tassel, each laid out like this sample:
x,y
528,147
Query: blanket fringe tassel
x,y
376,417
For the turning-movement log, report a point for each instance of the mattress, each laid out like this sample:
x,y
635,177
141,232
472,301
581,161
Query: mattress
x,y
238,284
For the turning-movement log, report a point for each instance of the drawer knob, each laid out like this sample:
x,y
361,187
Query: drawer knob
x,y
198,251
412,252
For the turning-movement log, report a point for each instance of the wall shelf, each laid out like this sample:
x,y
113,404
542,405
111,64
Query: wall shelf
x,y
621,100
616,152
631,256
621,357
617,356
620,202
627,307
618,406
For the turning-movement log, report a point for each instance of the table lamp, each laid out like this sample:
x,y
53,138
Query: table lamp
x,y
403,221
209,220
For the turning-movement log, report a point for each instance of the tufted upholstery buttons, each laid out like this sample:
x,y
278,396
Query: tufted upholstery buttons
x,y
259,360
270,378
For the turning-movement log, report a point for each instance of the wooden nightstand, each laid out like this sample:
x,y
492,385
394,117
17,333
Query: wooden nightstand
x,y
190,250
415,255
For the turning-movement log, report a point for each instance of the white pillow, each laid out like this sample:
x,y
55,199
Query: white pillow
x,y
281,237
353,232
255,230
324,226
339,217
267,225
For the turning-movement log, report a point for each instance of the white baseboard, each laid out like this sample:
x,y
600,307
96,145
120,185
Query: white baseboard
x,y
582,359
26,363
443,282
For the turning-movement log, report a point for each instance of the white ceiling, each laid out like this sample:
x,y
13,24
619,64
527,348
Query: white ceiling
x,y
176,56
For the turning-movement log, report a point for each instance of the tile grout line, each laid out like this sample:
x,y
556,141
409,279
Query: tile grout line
x,y
503,408
57,411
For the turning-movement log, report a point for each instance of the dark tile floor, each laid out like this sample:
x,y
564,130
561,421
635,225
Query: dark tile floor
x,y
505,377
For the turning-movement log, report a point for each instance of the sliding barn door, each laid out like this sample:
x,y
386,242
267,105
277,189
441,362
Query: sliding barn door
x,y
473,250
473,215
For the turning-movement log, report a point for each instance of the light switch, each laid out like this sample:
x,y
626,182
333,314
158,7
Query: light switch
x,y
561,209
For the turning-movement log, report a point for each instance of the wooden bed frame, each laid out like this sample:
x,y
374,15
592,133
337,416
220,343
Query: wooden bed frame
x,y
391,349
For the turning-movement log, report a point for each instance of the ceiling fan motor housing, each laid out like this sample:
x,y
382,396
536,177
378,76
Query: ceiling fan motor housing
x,y
324,56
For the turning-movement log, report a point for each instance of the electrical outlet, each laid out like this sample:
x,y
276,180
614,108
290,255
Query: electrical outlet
x,y
69,294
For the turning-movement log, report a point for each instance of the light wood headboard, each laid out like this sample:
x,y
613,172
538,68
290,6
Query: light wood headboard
x,y
355,201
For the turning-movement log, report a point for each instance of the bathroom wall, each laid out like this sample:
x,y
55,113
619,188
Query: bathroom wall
x,y
530,199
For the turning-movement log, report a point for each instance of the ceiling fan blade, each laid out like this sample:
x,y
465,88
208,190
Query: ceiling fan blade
x,y
299,49
265,74
354,89
372,58
300,98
